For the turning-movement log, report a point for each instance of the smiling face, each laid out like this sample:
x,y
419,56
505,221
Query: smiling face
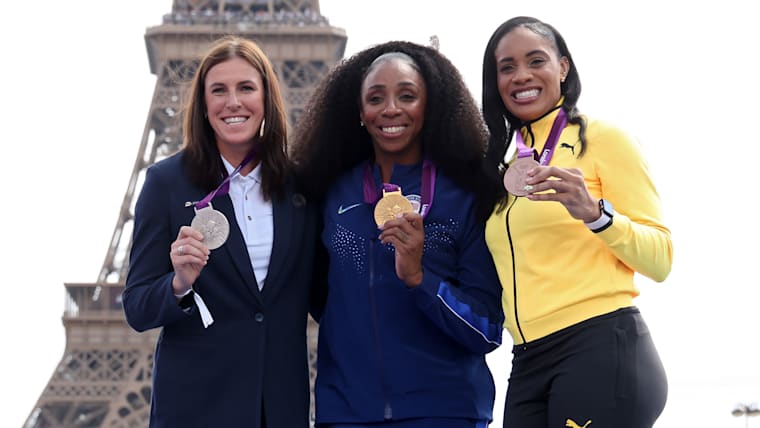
x,y
393,98
234,97
529,72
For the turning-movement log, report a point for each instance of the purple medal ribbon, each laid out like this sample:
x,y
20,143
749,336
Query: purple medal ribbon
x,y
524,151
224,188
371,195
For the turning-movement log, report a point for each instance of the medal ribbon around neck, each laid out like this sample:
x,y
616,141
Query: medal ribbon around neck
x,y
214,227
548,151
224,188
517,173
372,196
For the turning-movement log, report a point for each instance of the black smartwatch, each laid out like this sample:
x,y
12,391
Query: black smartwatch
x,y
606,213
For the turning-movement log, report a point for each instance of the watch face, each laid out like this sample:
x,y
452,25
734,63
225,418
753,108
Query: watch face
x,y
606,207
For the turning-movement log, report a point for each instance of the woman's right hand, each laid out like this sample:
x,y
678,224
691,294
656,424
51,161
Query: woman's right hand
x,y
407,235
189,255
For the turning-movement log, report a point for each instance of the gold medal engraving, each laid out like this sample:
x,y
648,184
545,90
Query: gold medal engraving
x,y
390,205
516,174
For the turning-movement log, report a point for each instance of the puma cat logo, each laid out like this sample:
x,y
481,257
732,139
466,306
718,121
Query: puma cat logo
x,y
572,149
571,423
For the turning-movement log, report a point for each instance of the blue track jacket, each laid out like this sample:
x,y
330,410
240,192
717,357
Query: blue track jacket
x,y
387,352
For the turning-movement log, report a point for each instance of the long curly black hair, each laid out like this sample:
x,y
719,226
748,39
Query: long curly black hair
x,y
328,138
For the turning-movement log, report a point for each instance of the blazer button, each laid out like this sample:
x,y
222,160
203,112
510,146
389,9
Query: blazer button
x,y
259,317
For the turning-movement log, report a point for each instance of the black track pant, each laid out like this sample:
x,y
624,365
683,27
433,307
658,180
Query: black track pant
x,y
601,373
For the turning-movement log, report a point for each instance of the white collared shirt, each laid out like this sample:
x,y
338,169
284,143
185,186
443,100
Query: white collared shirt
x,y
254,216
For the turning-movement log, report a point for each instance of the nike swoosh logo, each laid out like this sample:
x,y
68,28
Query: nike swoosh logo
x,y
343,209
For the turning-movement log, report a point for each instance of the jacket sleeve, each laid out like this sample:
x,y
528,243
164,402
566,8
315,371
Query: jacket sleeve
x,y
637,237
467,308
148,296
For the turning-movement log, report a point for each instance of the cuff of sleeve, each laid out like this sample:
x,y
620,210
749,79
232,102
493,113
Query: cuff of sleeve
x,y
183,294
428,289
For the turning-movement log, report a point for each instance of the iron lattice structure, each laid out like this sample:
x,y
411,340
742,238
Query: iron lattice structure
x,y
104,376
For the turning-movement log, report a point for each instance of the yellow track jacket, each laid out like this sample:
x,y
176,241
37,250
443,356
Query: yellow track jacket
x,y
554,271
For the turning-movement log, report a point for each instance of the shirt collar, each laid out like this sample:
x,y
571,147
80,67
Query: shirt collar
x,y
255,174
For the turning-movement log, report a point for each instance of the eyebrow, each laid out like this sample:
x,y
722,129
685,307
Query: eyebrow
x,y
404,84
247,81
529,54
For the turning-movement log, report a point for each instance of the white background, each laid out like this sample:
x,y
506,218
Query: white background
x,y
681,76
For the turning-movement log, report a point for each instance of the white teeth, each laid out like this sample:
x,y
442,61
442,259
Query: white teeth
x,y
527,94
238,119
393,129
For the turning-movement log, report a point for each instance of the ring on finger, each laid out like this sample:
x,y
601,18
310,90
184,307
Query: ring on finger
x,y
181,250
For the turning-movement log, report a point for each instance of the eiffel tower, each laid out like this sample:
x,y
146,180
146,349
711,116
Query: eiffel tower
x,y
104,377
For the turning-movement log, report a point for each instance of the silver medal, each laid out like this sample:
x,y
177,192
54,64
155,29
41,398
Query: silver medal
x,y
213,225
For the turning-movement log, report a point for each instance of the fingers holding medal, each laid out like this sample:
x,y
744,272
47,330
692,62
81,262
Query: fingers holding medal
x,y
188,256
188,248
403,232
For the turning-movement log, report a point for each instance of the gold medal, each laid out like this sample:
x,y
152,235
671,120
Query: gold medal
x,y
390,205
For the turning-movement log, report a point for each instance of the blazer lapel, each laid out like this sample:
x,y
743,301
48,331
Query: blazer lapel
x,y
288,216
235,245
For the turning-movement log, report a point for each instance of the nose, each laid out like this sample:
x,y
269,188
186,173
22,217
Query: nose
x,y
522,74
391,108
232,101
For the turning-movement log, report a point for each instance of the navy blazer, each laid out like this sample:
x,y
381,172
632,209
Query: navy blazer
x,y
255,352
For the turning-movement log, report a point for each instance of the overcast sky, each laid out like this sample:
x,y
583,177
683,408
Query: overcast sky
x,y
682,77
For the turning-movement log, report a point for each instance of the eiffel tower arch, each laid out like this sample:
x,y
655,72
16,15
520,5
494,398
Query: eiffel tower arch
x,y
104,377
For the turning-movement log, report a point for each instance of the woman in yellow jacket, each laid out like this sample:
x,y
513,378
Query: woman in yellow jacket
x,y
566,258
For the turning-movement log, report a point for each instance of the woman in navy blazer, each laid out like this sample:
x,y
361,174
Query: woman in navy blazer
x,y
232,306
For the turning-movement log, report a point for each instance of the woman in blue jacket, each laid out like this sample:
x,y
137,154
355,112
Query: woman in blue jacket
x,y
392,143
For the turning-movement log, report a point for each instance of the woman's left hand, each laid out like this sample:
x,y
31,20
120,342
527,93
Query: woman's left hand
x,y
407,236
566,186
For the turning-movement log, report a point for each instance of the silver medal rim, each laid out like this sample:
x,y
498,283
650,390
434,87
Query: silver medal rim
x,y
203,217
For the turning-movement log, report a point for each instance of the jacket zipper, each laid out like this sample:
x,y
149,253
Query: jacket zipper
x,y
387,410
514,272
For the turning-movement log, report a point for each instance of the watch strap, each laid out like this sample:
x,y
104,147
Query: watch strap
x,y
603,222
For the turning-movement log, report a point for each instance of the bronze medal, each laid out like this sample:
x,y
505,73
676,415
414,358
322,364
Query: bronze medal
x,y
390,205
516,174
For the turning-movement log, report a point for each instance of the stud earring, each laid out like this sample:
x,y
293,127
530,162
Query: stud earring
x,y
261,128
361,123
